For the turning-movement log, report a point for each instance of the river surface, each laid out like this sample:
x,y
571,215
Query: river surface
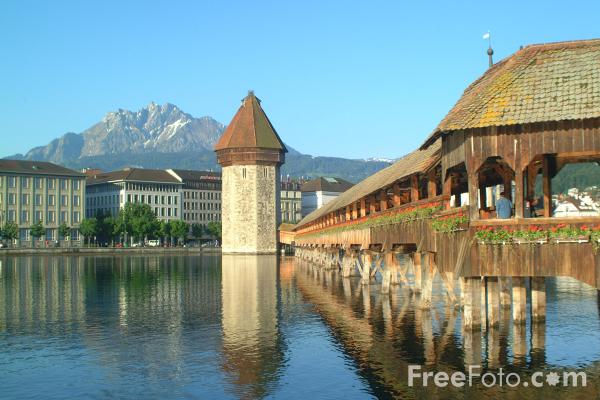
x,y
161,327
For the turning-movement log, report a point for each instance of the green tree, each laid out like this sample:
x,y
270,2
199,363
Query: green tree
x,y
64,231
10,231
137,220
165,230
179,229
37,231
197,231
215,229
106,228
88,228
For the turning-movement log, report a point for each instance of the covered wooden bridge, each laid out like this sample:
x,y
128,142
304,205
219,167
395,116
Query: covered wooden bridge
x,y
433,211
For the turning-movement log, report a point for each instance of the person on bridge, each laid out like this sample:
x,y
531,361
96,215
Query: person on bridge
x,y
503,207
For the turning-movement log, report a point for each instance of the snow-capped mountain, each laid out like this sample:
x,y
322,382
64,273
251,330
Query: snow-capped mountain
x,y
155,128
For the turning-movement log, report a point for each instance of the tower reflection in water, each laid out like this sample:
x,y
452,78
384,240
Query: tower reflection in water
x,y
252,348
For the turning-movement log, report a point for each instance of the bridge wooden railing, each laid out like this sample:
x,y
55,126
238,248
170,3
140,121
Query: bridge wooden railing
x,y
373,219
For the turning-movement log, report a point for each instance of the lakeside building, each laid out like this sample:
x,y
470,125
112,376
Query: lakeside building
x,y
318,192
290,196
108,192
33,191
201,195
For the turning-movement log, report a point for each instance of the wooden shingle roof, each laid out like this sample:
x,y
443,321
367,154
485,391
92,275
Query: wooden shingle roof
x,y
539,83
417,161
250,128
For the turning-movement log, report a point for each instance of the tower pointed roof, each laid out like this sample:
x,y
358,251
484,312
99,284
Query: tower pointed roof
x,y
250,128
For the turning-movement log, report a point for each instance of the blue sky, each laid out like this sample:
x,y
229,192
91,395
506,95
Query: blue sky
x,y
339,78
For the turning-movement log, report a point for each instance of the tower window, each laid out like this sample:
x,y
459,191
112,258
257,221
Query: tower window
x,y
265,171
244,173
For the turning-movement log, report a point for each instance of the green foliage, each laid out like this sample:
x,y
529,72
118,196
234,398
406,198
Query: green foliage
x,y
64,231
215,229
197,231
37,230
164,229
10,231
489,235
88,228
450,223
137,220
179,229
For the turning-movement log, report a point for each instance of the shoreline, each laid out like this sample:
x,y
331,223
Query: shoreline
x,y
109,250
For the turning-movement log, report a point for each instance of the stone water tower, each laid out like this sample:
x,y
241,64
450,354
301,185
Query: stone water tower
x,y
250,152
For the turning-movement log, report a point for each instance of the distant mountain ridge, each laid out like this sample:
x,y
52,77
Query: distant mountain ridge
x,y
163,136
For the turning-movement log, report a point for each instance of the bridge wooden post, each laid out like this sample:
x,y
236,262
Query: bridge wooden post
x,y
519,300
448,279
538,298
388,270
417,270
519,344
392,263
505,292
493,301
472,305
366,268
430,270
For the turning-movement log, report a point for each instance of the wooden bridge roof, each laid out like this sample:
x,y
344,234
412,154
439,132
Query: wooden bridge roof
x,y
417,161
539,83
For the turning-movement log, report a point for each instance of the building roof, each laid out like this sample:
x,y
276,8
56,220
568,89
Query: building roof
x,y
417,161
192,175
35,168
539,83
135,175
250,128
326,184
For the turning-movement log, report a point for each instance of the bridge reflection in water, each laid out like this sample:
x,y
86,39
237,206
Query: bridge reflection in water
x,y
385,333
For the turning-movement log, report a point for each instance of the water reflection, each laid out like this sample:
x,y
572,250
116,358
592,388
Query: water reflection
x,y
259,327
252,349
386,333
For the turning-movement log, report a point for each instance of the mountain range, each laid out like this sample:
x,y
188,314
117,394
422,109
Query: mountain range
x,y
163,136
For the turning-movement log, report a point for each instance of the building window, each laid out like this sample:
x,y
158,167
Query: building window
x,y
37,182
12,199
38,199
51,200
24,199
24,216
162,212
162,199
76,200
129,198
64,200
12,215
51,217
38,216
175,200
76,217
63,217
24,182
50,183
169,200
244,173
63,184
76,184
175,212
12,181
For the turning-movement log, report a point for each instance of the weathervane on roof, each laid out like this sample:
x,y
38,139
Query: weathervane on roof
x,y
490,51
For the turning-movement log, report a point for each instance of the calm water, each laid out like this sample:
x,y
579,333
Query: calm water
x,y
258,327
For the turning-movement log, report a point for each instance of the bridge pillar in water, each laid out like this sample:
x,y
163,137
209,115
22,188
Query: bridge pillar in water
x,y
417,271
472,303
538,298
519,300
505,300
366,268
493,301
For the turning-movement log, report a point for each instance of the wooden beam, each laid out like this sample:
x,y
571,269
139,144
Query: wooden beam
x,y
431,185
363,207
348,213
547,172
414,188
473,188
396,199
354,210
372,204
383,204
519,191
447,190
